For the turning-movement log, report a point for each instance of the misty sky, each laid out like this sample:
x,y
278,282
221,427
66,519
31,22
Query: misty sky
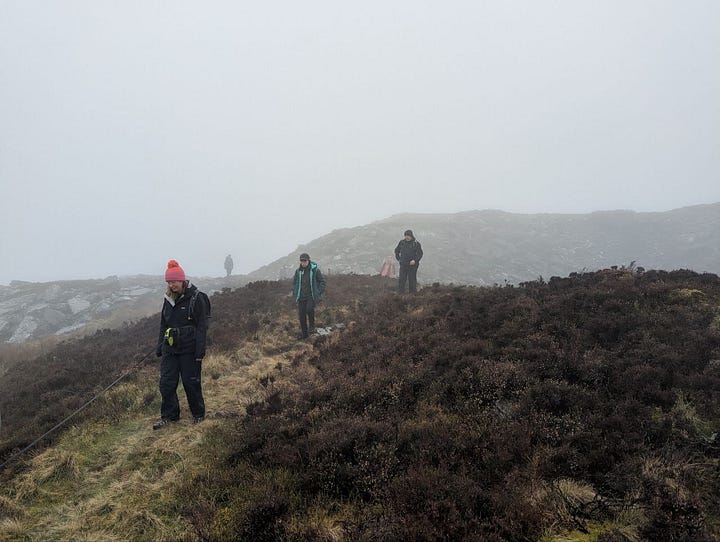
x,y
137,131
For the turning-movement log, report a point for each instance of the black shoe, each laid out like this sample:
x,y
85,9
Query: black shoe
x,y
198,419
162,423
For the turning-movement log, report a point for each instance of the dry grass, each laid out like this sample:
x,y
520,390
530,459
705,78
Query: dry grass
x,y
14,530
319,524
110,480
51,470
563,501
9,508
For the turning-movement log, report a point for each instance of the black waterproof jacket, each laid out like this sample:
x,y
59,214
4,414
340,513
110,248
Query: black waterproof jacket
x,y
407,251
188,328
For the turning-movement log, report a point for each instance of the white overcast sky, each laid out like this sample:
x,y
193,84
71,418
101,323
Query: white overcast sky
x,y
137,131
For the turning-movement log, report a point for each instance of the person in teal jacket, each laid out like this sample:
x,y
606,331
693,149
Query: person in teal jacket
x,y
308,290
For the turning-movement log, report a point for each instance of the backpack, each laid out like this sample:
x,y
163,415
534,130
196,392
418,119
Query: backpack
x,y
193,300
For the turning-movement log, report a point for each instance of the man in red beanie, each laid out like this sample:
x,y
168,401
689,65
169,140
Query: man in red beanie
x,y
183,332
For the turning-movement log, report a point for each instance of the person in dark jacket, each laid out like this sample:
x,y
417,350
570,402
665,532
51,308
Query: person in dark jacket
x,y
408,253
308,290
181,343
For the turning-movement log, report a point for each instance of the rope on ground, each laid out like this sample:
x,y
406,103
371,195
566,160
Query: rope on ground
x,y
127,372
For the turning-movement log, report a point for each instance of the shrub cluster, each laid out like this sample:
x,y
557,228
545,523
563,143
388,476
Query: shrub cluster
x,y
489,414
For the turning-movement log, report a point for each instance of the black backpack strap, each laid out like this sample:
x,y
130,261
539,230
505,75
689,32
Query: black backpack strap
x,y
193,300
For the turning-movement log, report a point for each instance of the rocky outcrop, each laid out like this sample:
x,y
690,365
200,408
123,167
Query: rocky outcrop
x,y
30,310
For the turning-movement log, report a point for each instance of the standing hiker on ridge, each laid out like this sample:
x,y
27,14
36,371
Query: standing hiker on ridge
x,y
183,332
228,265
408,252
308,289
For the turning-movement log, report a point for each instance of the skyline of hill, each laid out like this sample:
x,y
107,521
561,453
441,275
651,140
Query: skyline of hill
x,y
493,247
474,247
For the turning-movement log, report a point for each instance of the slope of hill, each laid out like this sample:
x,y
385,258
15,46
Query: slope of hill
x,y
492,247
476,247
31,310
584,408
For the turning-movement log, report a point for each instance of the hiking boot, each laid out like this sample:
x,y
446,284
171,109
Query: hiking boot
x,y
162,423
198,419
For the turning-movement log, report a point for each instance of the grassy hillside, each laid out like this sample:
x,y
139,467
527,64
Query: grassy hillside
x,y
585,408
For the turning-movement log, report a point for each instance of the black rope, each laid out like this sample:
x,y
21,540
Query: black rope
x,y
76,412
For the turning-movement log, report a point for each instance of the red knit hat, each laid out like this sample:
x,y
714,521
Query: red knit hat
x,y
174,271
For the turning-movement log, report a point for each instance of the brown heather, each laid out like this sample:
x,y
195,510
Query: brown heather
x,y
582,408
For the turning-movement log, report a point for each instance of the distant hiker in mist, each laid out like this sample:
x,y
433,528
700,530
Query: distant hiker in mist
x,y
183,331
388,268
408,253
228,265
308,289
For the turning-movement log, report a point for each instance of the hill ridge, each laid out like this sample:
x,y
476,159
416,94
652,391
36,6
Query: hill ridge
x,y
485,247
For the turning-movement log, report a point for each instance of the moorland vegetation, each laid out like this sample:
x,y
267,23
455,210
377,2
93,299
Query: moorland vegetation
x,y
578,408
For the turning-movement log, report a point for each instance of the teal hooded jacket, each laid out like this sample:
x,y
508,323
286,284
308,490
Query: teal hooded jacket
x,y
317,282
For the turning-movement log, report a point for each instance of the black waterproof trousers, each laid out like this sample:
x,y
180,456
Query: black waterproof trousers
x,y
172,367
306,311
408,273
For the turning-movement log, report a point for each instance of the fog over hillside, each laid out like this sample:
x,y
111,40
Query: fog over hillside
x,y
488,247
474,247
136,132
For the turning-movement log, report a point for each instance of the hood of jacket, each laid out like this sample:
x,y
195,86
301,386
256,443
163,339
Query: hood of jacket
x,y
312,265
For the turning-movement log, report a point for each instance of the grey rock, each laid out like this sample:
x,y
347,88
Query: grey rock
x,y
53,317
78,304
30,310
24,331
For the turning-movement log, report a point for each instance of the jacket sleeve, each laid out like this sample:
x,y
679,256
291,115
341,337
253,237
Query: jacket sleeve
x,y
418,253
295,286
200,315
320,279
397,251
161,337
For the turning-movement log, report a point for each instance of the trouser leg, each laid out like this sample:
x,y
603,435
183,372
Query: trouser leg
x,y
412,278
191,370
402,278
169,377
302,315
311,314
